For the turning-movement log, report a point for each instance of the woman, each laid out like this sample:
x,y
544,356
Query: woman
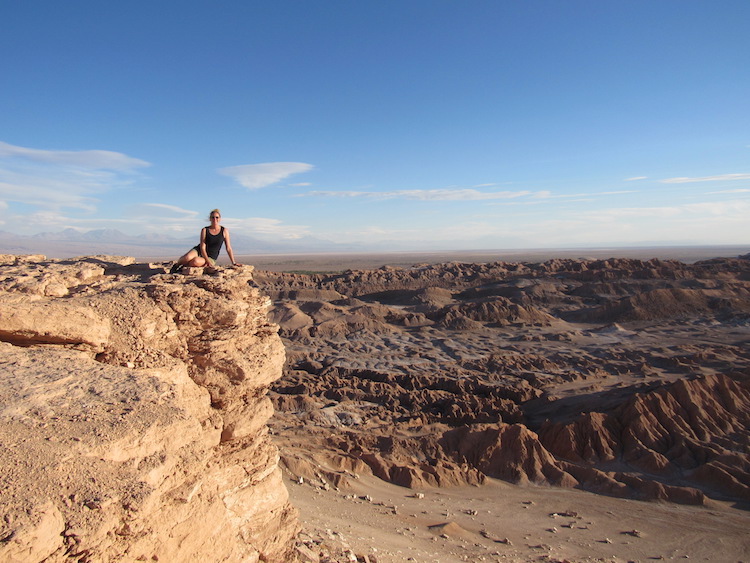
x,y
207,252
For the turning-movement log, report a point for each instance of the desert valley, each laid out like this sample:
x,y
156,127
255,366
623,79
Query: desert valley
x,y
570,409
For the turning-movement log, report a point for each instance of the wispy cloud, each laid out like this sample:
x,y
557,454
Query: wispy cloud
x,y
422,195
734,209
173,209
720,178
550,195
265,227
56,179
458,194
254,176
605,215
91,159
47,192
737,191
636,178
163,217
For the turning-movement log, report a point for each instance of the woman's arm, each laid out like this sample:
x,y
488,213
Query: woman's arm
x,y
228,244
204,252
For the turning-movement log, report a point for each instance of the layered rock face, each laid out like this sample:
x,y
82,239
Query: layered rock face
x,y
621,376
133,415
693,432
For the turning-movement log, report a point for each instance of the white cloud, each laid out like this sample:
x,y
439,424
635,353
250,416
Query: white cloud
x,y
265,227
461,194
737,191
721,208
254,176
636,178
423,195
731,210
183,213
47,192
91,159
546,194
720,178
606,215
58,179
554,225
695,223
162,217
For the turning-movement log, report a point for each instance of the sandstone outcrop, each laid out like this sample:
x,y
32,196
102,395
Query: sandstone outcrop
x,y
133,415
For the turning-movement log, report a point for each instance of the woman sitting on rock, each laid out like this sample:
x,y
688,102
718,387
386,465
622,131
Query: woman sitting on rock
x,y
207,252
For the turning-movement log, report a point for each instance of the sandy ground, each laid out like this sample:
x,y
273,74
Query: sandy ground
x,y
504,522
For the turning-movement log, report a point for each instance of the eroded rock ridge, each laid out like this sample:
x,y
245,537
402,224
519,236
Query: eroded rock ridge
x,y
625,377
133,415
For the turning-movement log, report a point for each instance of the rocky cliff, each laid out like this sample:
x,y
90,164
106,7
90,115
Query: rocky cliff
x,y
133,415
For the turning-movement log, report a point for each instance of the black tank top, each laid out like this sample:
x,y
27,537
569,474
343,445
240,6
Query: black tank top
x,y
214,242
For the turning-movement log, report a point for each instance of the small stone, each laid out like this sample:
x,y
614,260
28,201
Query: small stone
x,y
505,541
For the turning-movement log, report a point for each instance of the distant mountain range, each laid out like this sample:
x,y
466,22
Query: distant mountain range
x,y
70,242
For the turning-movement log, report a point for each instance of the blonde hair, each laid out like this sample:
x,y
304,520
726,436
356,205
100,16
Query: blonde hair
x,y
212,212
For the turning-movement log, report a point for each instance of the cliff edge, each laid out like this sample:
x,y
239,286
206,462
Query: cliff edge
x,y
133,415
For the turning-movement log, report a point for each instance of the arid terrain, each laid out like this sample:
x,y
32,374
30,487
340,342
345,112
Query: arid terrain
x,y
572,409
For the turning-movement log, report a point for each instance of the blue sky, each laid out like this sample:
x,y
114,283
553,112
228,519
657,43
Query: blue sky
x,y
423,124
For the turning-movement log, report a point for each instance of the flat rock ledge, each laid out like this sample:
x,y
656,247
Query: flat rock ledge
x,y
133,415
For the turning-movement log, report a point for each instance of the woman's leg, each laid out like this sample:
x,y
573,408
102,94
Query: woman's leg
x,y
192,259
196,261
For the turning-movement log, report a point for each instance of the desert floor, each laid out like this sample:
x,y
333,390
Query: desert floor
x,y
503,522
